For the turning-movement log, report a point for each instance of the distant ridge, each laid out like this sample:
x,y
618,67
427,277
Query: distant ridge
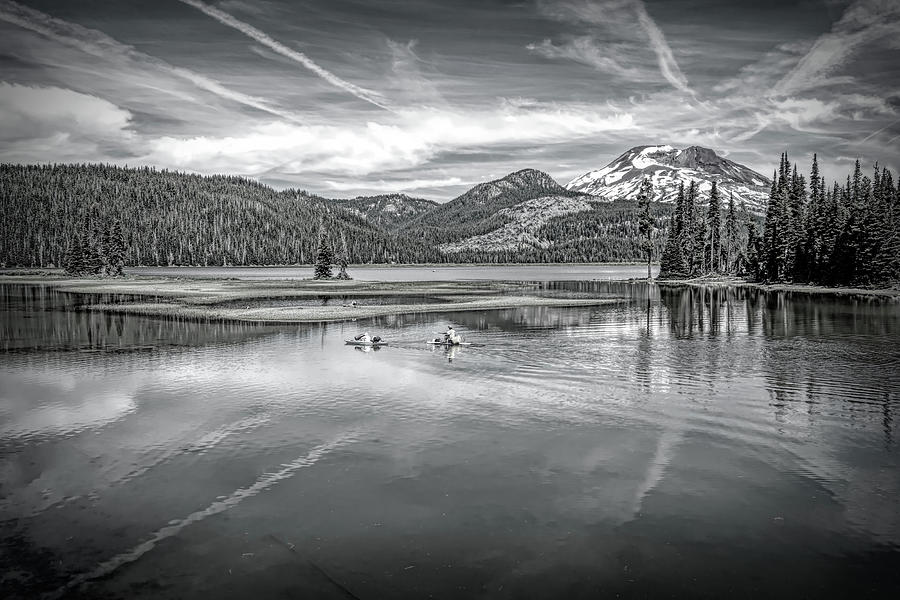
x,y
476,211
386,210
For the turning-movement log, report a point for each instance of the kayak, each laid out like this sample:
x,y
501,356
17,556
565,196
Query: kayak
x,y
361,343
434,343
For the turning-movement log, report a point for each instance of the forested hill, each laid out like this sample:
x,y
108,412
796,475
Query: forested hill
x,y
388,211
176,218
476,211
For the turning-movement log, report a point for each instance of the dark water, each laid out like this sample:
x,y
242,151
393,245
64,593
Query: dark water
x,y
686,443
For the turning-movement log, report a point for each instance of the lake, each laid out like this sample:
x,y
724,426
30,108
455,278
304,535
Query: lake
x,y
688,443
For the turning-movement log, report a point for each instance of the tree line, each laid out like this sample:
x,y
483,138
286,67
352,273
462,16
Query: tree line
x,y
170,218
61,215
94,219
811,232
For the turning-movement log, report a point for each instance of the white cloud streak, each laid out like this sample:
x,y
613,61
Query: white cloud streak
x,y
224,18
664,56
100,45
586,50
614,17
864,22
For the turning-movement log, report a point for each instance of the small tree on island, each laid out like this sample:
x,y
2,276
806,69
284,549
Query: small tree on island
x,y
342,259
645,220
324,257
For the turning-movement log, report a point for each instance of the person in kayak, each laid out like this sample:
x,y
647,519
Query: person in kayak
x,y
451,337
363,337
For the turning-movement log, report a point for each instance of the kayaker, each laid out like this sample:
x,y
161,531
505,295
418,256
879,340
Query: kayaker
x,y
450,336
363,337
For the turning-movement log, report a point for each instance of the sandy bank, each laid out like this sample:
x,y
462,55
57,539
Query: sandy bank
x,y
301,314
242,300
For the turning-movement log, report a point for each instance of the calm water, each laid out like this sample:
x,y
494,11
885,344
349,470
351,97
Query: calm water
x,y
681,444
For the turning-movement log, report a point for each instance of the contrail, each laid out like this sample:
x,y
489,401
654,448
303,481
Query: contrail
x,y
298,57
874,133
97,43
667,64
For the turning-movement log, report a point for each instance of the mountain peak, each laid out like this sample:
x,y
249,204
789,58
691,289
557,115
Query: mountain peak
x,y
667,167
522,184
527,176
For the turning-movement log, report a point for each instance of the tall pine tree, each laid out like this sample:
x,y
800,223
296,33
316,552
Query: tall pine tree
x,y
645,221
731,246
714,232
324,257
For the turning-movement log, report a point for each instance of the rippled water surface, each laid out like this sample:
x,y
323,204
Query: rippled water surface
x,y
683,443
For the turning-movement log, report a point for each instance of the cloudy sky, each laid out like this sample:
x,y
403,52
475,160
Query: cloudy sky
x,y
347,97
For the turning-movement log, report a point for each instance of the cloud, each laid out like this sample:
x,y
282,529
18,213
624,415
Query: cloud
x,y
615,18
98,44
456,115
397,185
667,64
864,22
252,32
50,123
410,139
407,82
609,58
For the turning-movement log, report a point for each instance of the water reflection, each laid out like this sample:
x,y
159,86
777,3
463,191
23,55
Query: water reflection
x,y
692,439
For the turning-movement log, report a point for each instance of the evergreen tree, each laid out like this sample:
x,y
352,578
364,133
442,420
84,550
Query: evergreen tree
x,y
753,267
672,263
731,247
324,257
799,259
116,250
678,219
645,220
772,230
73,263
714,232
886,261
814,244
342,259
694,231
783,239
91,251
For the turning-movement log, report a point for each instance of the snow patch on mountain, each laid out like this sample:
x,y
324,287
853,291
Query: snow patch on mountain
x,y
667,167
524,220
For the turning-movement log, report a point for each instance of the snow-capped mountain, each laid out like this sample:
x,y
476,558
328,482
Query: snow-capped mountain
x,y
667,167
